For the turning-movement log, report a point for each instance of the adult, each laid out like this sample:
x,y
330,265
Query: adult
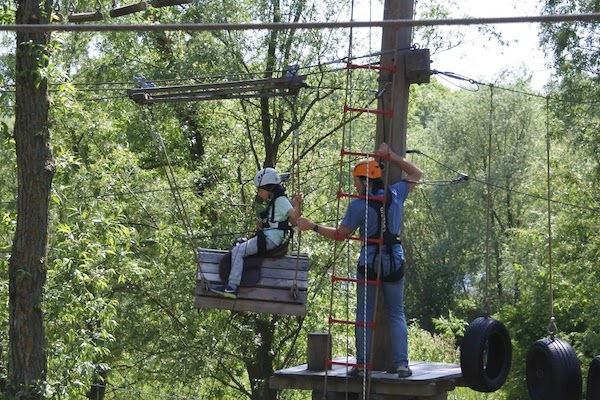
x,y
366,216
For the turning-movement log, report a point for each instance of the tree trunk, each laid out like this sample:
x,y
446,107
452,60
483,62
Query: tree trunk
x,y
35,170
260,367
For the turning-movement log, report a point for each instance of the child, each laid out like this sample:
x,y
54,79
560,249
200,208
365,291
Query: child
x,y
276,222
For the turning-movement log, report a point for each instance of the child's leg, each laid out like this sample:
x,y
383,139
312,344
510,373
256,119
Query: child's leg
x,y
238,252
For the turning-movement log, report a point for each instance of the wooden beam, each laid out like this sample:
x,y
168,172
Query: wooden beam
x,y
127,9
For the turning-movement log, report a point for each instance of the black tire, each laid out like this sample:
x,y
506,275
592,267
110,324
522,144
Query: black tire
x,y
553,371
485,355
593,380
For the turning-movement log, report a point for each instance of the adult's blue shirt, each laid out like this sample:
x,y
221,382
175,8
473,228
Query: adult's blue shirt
x,y
360,215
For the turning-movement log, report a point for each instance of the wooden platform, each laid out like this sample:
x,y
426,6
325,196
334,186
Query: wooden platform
x,y
272,294
429,380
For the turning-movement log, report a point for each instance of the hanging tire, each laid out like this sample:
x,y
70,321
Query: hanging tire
x,y
485,355
593,380
553,371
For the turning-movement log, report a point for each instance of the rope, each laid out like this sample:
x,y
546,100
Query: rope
x,y
393,23
296,158
177,197
346,126
486,307
552,329
366,381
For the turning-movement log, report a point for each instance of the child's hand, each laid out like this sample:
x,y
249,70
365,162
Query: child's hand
x,y
297,200
304,224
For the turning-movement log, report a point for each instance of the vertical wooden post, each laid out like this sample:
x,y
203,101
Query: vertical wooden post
x,y
392,130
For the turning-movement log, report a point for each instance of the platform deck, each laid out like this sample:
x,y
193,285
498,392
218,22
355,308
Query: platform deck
x,y
429,380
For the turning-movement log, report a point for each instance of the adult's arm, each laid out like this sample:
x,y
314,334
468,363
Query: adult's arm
x,y
413,173
341,232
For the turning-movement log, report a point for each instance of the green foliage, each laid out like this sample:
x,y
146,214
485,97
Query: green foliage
x,y
119,298
7,13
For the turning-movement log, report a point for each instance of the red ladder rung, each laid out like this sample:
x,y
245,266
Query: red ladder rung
x,y
368,367
355,153
375,282
362,196
391,68
388,113
356,323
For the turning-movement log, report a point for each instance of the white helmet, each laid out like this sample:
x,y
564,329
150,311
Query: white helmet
x,y
266,176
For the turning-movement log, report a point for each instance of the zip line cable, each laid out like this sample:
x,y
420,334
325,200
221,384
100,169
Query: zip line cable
x,y
449,74
454,75
484,182
251,26
461,177
224,76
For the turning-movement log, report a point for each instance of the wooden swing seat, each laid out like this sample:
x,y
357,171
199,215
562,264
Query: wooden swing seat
x,y
167,3
272,294
85,17
128,9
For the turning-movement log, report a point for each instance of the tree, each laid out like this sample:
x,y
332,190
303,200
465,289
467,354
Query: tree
x,y
35,166
575,140
575,48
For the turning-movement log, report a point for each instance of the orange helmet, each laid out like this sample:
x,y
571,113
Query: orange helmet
x,y
370,168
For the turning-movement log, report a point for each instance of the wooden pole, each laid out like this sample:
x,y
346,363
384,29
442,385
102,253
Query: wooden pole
x,y
394,87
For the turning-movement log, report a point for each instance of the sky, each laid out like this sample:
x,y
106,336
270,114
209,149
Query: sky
x,y
478,57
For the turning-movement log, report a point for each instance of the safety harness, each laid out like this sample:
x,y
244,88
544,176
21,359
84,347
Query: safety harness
x,y
268,222
389,240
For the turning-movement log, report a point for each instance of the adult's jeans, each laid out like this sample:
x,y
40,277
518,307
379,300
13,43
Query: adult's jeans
x,y
238,252
393,295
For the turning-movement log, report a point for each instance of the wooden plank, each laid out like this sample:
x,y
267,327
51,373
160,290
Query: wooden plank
x,y
251,306
215,279
274,273
213,270
287,262
261,294
220,251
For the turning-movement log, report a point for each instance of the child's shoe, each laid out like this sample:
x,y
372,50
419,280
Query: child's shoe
x,y
225,291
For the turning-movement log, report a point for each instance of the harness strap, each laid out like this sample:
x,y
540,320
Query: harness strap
x,y
389,239
261,242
